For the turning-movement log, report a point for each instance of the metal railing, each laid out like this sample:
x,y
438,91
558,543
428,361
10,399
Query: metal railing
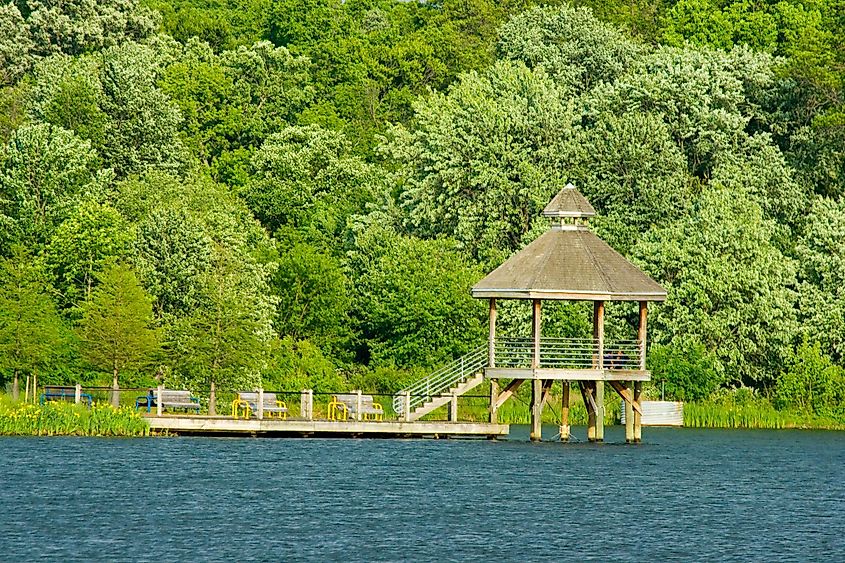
x,y
568,353
441,380
555,353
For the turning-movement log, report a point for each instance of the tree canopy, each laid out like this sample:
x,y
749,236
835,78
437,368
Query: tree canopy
x,y
303,191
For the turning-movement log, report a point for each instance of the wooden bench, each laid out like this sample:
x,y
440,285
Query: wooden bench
x,y
54,393
170,399
342,407
247,402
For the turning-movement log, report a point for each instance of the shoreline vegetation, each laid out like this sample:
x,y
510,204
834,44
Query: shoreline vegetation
x,y
65,419
18,418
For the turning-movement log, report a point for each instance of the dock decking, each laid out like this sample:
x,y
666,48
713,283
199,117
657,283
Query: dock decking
x,y
227,426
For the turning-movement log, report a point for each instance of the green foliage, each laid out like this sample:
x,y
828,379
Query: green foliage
x,y
299,364
225,340
305,178
479,164
728,285
812,384
821,296
412,299
116,329
312,295
173,251
43,172
31,332
684,371
62,419
574,48
113,100
89,239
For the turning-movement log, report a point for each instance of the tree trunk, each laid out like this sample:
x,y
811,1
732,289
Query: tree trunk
x,y
16,388
115,393
212,401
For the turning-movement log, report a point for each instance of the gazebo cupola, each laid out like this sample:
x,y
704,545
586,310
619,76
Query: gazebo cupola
x,y
569,263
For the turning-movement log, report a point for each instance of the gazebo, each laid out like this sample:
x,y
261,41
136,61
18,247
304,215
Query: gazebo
x,y
569,263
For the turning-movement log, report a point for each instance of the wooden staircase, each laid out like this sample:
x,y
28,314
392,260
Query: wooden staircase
x,y
437,389
444,398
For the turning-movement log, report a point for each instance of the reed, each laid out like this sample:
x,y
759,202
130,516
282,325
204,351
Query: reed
x,y
65,419
757,415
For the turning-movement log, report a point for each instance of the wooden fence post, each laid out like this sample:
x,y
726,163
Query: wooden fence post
x,y
407,408
77,394
260,403
158,400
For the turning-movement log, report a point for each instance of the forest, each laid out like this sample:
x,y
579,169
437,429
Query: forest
x,y
300,193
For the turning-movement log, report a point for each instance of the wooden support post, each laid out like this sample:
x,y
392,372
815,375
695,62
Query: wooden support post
x,y
638,386
564,412
158,400
407,408
638,418
453,408
535,333
358,405
26,391
16,387
641,332
590,406
491,342
34,387
77,394
629,414
598,334
536,410
599,389
260,403
494,400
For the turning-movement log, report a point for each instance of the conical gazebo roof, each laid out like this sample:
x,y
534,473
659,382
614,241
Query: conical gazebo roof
x,y
569,203
568,262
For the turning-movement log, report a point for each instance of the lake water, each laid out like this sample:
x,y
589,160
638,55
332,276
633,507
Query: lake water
x,y
684,495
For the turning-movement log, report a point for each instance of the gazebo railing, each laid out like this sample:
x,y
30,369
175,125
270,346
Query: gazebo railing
x,y
568,353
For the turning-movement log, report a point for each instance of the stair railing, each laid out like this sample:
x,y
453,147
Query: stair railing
x,y
442,380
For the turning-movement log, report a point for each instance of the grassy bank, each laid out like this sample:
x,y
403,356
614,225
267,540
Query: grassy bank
x,y
65,419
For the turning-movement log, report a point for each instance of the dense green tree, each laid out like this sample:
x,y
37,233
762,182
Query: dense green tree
x,y
93,236
312,296
684,370
172,252
811,383
31,331
481,161
15,44
43,171
729,287
821,295
79,26
574,47
224,342
117,329
412,299
306,178
113,100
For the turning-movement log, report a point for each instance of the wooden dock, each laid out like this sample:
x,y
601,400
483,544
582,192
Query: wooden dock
x,y
228,426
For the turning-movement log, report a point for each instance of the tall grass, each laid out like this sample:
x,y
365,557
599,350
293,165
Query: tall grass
x,y
66,419
757,414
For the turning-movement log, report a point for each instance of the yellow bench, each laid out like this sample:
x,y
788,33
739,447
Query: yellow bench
x,y
342,407
247,403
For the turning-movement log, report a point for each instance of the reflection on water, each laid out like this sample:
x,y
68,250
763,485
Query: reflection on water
x,y
684,495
